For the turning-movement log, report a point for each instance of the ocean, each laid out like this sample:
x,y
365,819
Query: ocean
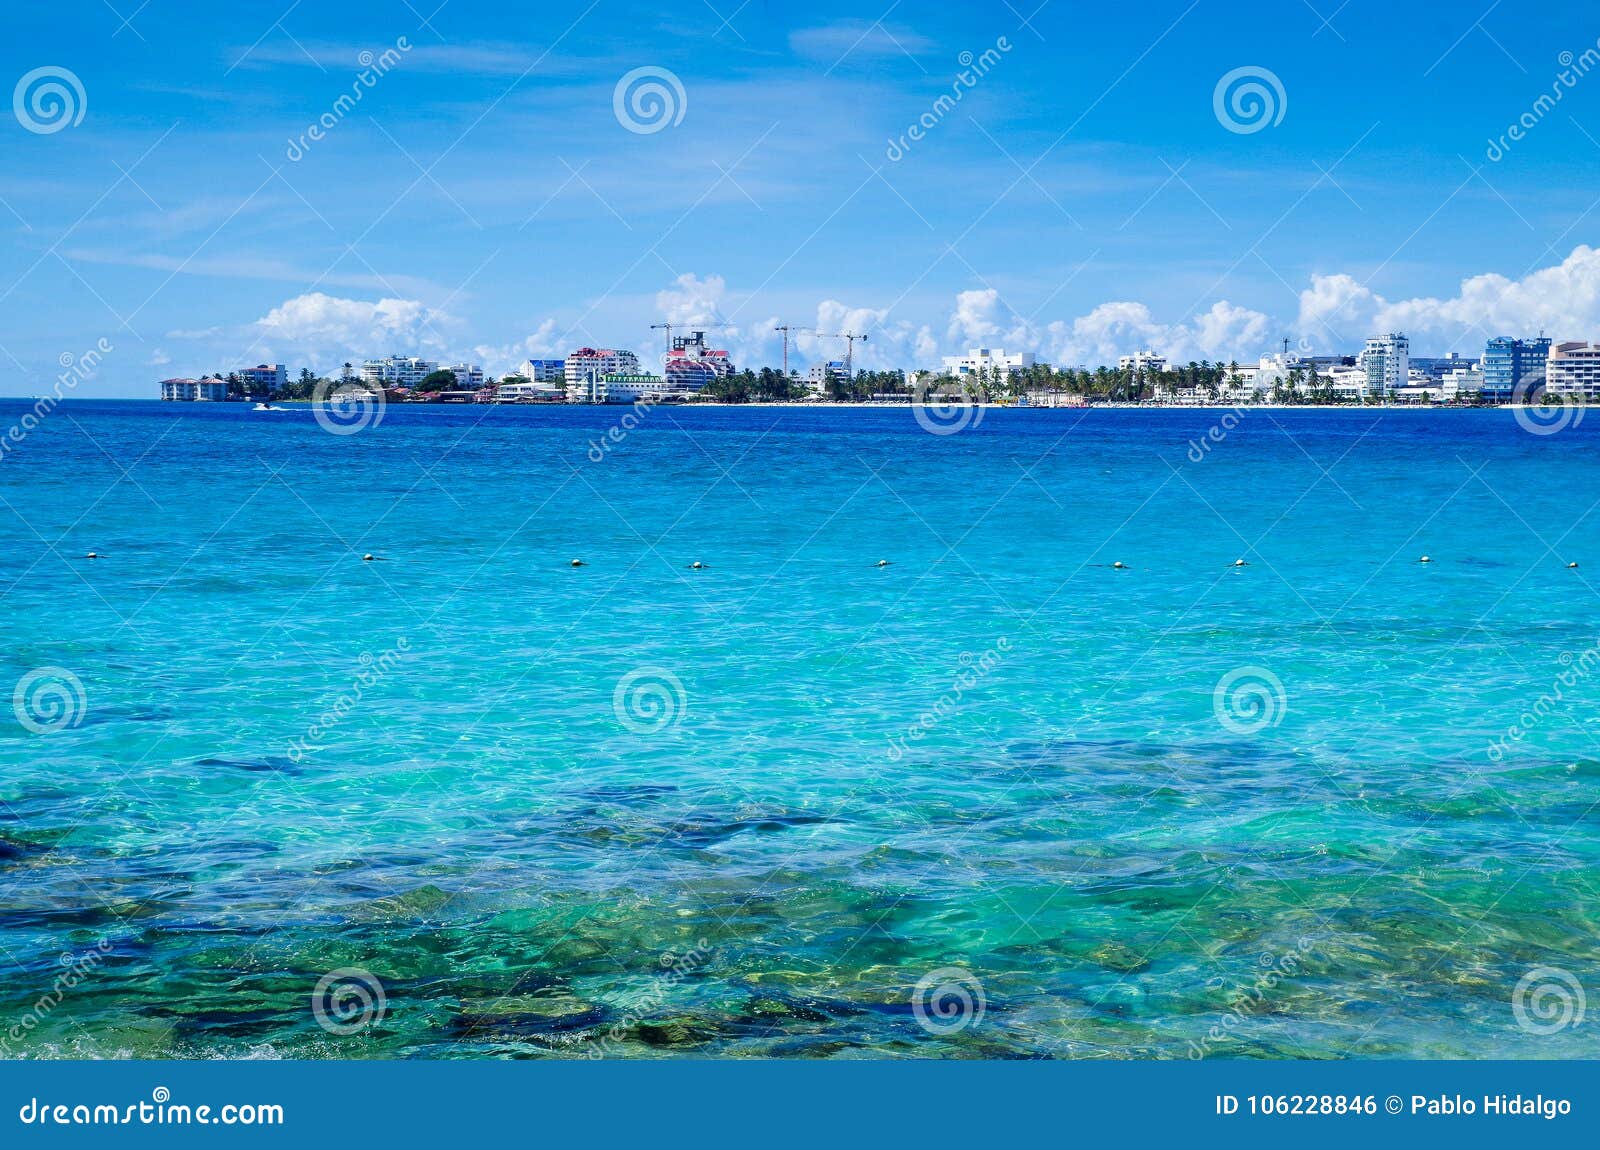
x,y
997,798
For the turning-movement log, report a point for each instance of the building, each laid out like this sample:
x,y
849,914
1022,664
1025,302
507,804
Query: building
x,y
264,376
1463,385
543,370
1573,369
988,365
818,375
194,390
1349,384
1146,361
1386,362
1512,363
690,365
630,387
529,392
397,371
588,366
1435,368
468,375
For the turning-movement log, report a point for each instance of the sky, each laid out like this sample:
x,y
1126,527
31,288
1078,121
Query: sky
x,y
185,190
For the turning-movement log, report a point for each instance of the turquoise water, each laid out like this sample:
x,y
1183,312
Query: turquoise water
x,y
284,762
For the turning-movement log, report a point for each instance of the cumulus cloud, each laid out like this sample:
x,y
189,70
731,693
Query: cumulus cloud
x,y
1563,299
322,322
548,341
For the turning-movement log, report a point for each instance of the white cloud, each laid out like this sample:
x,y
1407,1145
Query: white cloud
x,y
323,323
833,42
159,358
1563,299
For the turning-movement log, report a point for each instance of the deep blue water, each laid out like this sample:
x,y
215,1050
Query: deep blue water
x,y
636,809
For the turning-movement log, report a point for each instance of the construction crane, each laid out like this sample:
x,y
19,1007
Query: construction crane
x,y
849,338
786,329
693,326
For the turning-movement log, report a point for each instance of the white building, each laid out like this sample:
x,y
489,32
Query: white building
x,y
397,371
194,390
269,375
543,370
526,392
1347,383
1146,361
630,388
589,365
1462,383
1386,359
1573,369
990,364
468,375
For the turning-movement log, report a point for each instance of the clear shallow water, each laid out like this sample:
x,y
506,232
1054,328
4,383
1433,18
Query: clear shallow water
x,y
1122,872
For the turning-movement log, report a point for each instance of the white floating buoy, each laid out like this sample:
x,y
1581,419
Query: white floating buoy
x,y
1572,566
577,563
96,555
1425,559
1240,563
885,563
697,566
1120,565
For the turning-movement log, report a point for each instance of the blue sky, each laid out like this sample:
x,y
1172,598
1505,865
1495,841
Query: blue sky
x,y
484,200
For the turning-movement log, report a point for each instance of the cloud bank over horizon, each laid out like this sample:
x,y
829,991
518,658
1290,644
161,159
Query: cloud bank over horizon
x,y
1336,310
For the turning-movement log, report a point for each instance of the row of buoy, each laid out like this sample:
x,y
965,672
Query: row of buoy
x,y
1119,565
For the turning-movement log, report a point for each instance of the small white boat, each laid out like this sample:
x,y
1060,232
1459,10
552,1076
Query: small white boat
x,y
267,407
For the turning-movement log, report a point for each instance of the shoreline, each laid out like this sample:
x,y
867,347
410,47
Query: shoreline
x,y
1116,405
